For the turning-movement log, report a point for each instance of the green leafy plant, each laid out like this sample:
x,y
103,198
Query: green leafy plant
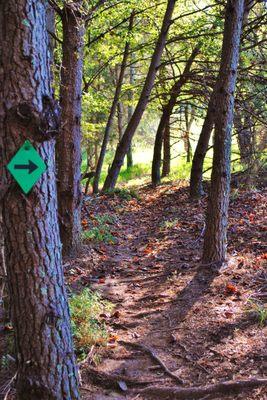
x,y
124,194
88,327
101,232
259,310
169,224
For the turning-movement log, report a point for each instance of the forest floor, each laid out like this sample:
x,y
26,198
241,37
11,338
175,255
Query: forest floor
x,y
201,324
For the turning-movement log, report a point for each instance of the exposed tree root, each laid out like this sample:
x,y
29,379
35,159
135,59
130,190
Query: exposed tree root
x,y
193,393
112,381
154,356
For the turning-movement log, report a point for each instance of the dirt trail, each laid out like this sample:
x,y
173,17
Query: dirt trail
x,y
193,318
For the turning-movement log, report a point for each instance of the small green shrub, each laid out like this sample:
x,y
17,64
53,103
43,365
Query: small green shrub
x,y
169,224
88,329
259,310
102,231
124,194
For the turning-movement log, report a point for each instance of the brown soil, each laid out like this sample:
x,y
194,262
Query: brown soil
x,y
196,319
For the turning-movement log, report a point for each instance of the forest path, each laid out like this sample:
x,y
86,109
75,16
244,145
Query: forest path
x,y
191,317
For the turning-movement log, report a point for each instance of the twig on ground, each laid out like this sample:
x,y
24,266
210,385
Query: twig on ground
x,y
155,357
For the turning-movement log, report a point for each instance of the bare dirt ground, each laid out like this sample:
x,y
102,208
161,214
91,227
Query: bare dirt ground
x,y
197,320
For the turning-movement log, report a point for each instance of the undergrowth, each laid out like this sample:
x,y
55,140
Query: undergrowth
x,y
101,231
88,328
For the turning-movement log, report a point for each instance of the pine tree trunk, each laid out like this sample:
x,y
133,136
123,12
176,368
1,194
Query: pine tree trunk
x,y
69,142
166,114
124,144
245,138
196,184
166,168
112,112
39,309
215,240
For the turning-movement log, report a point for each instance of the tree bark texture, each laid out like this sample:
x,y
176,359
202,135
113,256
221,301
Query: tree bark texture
x,y
39,309
166,114
112,112
215,240
125,142
166,167
245,138
196,184
69,142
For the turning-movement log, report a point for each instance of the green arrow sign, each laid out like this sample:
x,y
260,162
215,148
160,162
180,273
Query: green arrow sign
x,y
26,167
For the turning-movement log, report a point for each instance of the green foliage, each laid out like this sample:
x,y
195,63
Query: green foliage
x,y
101,232
88,328
124,194
169,224
259,310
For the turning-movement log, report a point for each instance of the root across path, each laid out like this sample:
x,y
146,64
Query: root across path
x,y
180,330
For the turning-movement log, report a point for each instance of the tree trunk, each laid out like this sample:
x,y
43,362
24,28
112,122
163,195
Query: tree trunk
x,y
188,125
166,114
124,144
166,168
119,115
217,212
196,185
245,138
39,309
69,142
130,114
112,112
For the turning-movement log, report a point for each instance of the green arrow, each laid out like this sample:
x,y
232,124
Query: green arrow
x,y
30,166
26,166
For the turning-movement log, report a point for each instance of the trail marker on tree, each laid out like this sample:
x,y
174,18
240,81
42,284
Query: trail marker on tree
x,y
26,167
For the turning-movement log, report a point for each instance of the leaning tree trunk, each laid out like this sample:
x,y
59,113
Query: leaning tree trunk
x,y
112,111
166,114
130,114
69,142
120,119
125,142
39,308
217,212
166,167
196,184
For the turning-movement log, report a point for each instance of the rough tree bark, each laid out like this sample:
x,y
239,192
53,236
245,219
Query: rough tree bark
x,y
245,138
69,142
166,114
125,142
196,185
39,308
215,240
166,167
112,111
